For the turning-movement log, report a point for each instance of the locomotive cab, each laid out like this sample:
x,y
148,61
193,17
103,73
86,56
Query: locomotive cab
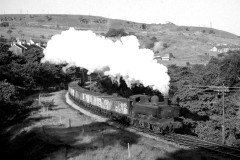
x,y
139,99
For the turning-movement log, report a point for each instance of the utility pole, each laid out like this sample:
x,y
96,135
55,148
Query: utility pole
x,y
223,114
222,90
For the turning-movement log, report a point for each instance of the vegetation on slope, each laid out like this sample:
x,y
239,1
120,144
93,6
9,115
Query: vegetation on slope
x,y
205,117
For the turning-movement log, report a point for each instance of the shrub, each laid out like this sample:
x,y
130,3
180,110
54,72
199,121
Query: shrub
x,y
116,32
165,45
7,91
83,20
143,26
211,32
49,18
4,24
154,39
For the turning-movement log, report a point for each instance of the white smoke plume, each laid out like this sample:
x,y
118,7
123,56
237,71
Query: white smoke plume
x,y
123,57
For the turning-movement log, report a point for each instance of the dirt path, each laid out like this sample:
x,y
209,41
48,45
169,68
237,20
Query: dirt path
x,y
76,136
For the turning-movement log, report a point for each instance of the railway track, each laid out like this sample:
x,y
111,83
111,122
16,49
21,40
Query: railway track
x,y
190,141
231,153
226,151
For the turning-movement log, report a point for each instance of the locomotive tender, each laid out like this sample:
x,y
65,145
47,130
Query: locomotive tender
x,y
141,111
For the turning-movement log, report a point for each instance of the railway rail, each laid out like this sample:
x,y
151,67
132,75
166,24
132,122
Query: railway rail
x,y
231,153
226,151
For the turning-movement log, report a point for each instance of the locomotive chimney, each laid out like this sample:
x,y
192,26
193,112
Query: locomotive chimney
x,y
154,99
166,100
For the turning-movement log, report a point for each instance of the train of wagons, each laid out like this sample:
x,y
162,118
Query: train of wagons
x,y
141,111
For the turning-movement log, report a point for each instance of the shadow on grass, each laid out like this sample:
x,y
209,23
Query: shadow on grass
x,y
91,137
43,142
191,154
13,138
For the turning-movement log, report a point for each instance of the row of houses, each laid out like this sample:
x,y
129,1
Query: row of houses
x,y
19,47
225,48
165,57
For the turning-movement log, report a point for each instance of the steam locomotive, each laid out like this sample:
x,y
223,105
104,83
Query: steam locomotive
x,y
141,111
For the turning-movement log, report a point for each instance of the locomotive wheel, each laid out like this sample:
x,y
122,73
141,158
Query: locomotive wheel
x,y
155,128
105,113
132,121
166,131
136,123
161,130
108,114
146,125
142,123
171,129
150,127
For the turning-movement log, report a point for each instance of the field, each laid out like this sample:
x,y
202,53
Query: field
x,y
186,43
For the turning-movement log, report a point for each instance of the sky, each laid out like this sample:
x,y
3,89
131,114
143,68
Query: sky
x,y
220,14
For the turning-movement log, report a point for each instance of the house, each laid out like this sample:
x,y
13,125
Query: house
x,y
225,48
166,57
17,48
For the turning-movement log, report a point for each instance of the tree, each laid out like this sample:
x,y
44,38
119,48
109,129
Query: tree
x,y
229,69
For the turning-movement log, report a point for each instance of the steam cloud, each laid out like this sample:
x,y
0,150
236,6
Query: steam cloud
x,y
123,57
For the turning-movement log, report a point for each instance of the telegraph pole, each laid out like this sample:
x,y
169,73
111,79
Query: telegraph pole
x,y
223,114
222,90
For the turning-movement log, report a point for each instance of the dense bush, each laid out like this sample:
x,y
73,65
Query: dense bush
x,y
204,105
116,32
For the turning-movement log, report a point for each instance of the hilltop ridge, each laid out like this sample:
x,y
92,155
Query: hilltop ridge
x,y
187,43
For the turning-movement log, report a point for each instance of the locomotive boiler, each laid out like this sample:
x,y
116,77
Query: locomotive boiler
x,y
141,111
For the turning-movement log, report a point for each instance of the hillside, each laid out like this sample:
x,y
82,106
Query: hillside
x,y
186,43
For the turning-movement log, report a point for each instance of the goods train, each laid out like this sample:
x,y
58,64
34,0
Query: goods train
x,y
141,111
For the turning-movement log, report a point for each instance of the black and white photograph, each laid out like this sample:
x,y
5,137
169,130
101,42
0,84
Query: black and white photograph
x,y
120,79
